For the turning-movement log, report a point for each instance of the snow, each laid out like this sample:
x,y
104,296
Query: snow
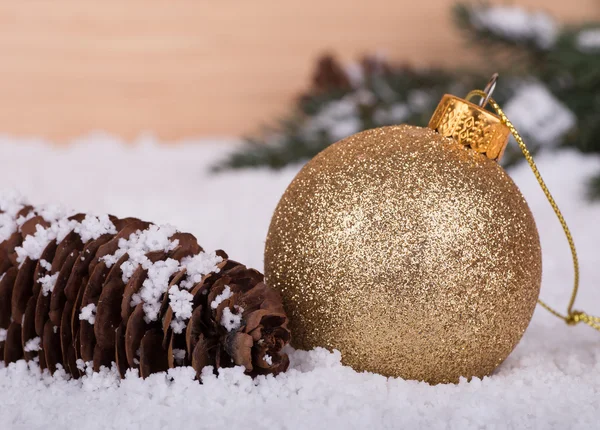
x,y
33,344
538,114
551,380
155,238
221,297
588,40
48,282
88,313
181,303
92,227
197,266
230,320
516,23
155,286
45,264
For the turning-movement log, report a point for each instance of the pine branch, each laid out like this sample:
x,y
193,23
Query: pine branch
x,y
527,48
594,189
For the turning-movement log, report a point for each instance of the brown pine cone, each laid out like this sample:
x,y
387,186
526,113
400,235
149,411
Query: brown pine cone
x,y
79,290
329,75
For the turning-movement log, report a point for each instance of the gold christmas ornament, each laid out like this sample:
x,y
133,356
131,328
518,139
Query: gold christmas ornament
x,y
409,249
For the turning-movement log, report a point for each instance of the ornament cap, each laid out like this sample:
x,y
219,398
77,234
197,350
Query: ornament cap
x,y
470,125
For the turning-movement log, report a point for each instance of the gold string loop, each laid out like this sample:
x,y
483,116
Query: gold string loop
x,y
572,317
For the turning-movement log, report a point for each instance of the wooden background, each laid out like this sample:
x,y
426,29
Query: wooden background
x,y
200,67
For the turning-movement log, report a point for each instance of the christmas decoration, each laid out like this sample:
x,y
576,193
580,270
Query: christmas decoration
x,y
411,250
559,64
78,290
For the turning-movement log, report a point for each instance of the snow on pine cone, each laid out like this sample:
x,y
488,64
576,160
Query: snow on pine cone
x,y
79,290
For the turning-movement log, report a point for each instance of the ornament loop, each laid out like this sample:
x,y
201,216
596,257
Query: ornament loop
x,y
489,90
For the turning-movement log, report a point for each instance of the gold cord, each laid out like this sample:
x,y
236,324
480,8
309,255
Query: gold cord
x,y
573,316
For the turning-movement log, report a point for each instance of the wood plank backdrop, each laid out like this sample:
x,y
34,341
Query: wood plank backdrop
x,y
198,67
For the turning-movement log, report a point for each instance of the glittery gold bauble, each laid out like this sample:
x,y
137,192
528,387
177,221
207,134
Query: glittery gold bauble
x,y
412,253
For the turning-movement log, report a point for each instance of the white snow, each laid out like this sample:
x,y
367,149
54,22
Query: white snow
x,y
33,344
181,303
2,334
230,320
155,286
537,113
48,282
45,264
179,354
551,380
197,266
92,227
516,23
88,313
221,297
588,40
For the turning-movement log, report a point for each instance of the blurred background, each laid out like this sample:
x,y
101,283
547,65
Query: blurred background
x,y
292,77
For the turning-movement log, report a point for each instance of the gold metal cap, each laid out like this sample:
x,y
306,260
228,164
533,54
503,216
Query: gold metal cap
x,y
470,125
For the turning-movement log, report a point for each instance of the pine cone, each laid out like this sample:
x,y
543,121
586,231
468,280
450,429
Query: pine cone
x,y
79,290
330,75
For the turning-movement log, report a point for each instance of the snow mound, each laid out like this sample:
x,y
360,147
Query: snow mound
x,y
552,379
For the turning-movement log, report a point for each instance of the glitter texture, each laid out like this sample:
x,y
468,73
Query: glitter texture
x,y
411,254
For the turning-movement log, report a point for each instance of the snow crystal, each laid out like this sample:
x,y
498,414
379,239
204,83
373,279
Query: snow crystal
x,y
225,294
33,344
45,264
92,227
88,313
588,41
55,329
197,266
33,245
179,355
516,23
178,325
155,286
2,334
181,302
80,364
48,282
268,359
232,321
